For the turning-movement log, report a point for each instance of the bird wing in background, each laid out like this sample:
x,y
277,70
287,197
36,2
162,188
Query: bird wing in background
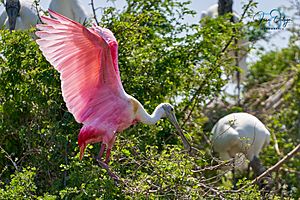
x,y
87,61
3,17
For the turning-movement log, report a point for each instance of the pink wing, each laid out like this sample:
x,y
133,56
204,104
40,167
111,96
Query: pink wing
x,y
88,62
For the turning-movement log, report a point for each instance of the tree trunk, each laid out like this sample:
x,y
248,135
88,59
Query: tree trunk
x,y
225,6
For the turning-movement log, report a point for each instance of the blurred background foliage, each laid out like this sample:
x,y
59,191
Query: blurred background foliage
x,y
161,59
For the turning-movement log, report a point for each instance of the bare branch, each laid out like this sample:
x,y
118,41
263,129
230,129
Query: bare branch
x,y
278,164
94,12
215,167
213,190
9,158
271,169
273,100
37,9
276,146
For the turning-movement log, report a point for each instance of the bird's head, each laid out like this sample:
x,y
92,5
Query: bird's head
x,y
203,14
166,109
169,112
12,8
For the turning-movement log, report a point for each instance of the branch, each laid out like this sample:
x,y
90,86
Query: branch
x,y
66,161
94,12
214,167
276,146
273,100
9,158
278,164
271,169
36,6
291,171
212,189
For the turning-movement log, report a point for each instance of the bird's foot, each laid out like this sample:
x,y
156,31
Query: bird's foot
x,y
105,166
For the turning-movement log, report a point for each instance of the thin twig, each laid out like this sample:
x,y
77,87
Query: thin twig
x,y
28,153
271,169
291,171
274,99
66,162
9,158
94,12
212,189
278,164
276,146
211,168
36,6
4,169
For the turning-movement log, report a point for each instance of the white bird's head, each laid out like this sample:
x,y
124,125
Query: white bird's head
x,y
203,14
164,109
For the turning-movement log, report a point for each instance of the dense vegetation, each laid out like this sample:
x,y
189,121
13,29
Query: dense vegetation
x,y
161,59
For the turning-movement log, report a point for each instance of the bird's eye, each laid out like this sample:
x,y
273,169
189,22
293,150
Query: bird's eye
x,y
172,109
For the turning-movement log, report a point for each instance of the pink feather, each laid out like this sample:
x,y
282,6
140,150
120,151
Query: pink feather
x,y
87,60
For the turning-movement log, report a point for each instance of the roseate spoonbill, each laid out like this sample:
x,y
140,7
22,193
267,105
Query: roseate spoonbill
x,y
212,11
87,59
241,133
69,8
19,15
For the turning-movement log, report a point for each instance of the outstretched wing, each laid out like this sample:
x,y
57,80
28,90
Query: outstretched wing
x,y
87,61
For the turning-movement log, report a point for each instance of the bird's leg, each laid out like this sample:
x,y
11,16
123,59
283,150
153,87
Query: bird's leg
x,y
107,155
233,175
257,166
104,164
258,169
111,142
248,171
103,146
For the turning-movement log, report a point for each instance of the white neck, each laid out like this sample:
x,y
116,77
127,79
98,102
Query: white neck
x,y
145,118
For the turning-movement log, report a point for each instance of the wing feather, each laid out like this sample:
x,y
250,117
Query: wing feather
x,y
87,62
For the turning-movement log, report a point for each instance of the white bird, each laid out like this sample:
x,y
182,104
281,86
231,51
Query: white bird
x,y
69,8
241,133
3,17
19,15
212,11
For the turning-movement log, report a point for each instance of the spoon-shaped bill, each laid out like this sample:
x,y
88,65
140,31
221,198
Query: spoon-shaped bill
x,y
171,116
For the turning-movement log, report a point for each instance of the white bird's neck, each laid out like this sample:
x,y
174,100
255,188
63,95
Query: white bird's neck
x,y
151,119
143,116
